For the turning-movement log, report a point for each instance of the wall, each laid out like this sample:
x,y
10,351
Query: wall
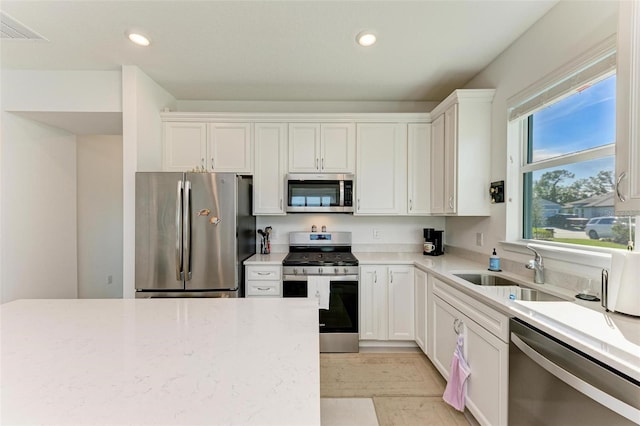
x,y
142,101
38,210
400,233
99,188
567,31
38,197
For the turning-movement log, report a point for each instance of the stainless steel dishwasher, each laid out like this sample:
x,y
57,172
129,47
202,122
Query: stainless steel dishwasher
x,y
552,383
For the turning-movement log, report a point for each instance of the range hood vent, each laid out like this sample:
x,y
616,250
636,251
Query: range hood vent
x,y
13,30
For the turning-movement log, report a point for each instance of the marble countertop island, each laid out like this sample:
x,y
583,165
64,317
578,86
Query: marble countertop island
x,y
160,361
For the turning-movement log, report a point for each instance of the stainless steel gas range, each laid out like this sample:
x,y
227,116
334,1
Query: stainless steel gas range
x,y
317,259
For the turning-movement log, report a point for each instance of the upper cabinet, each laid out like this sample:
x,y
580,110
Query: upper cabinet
x,y
627,200
381,176
418,171
270,168
185,146
461,143
216,147
230,147
322,148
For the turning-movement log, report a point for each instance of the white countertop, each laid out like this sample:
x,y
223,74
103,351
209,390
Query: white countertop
x,y
609,337
160,361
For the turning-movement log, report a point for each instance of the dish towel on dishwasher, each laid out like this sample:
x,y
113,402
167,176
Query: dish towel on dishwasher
x,y
320,288
458,374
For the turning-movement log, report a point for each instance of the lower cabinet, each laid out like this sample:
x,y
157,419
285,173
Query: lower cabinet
x,y
386,303
263,281
486,354
420,308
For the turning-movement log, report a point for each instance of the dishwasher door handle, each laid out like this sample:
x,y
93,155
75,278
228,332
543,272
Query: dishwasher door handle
x,y
577,383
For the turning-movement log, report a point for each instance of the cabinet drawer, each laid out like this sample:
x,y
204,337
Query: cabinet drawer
x,y
263,288
266,273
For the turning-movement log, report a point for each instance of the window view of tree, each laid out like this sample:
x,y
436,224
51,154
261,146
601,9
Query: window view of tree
x,y
573,200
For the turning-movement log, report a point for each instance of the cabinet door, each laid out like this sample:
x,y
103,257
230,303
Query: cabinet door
x,y
450,159
184,147
628,110
230,147
401,303
445,338
420,308
488,383
270,168
304,147
338,148
419,169
381,168
437,165
373,303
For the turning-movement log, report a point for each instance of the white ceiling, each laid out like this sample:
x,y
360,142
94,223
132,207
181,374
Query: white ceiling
x,y
276,50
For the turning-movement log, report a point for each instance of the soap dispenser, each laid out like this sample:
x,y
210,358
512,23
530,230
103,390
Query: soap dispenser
x,y
494,262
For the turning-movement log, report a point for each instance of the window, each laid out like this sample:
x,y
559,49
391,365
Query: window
x,y
568,168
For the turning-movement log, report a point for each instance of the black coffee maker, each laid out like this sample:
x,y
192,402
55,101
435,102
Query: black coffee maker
x,y
433,245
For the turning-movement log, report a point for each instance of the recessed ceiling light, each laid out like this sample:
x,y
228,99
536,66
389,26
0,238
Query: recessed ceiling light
x,y
366,38
137,38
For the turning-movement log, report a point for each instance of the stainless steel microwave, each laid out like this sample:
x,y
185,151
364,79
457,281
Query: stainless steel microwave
x,y
320,193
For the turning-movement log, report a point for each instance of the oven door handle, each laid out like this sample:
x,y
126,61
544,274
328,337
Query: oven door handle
x,y
576,383
331,277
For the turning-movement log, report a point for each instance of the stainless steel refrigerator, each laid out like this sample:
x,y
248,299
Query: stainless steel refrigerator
x,y
193,231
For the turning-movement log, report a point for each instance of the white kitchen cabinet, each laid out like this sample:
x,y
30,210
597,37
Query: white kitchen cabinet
x,y
263,281
217,147
322,148
184,146
486,349
381,172
270,147
437,165
460,161
386,303
230,147
418,169
420,308
627,200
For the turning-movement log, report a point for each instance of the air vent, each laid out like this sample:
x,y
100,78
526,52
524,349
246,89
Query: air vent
x,y
14,30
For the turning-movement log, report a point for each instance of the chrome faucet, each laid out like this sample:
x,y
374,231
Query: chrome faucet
x,y
537,266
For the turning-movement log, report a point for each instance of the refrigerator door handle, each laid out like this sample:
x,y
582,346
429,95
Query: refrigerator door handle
x,y
179,274
186,221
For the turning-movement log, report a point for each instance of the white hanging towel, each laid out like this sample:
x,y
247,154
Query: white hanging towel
x,y
319,287
454,393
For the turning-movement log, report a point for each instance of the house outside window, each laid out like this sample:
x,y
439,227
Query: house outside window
x,y
567,167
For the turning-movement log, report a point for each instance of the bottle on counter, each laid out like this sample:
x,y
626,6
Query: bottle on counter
x,y
494,261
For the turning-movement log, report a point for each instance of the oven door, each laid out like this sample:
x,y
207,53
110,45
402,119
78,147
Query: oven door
x,y
342,315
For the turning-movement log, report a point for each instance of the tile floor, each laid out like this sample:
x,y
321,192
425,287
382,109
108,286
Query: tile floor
x,y
383,389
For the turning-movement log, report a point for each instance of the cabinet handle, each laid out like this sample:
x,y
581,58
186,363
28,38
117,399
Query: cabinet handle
x,y
263,288
323,163
457,324
263,273
375,277
202,163
451,202
316,164
621,197
391,277
410,205
213,164
358,208
280,203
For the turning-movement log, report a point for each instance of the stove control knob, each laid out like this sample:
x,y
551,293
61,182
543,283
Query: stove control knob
x,y
295,271
345,271
336,271
304,271
320,270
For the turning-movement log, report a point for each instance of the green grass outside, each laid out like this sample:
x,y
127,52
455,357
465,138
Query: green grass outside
x,y
592,243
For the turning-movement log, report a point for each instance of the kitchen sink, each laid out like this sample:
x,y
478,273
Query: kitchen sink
x,y
521,292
